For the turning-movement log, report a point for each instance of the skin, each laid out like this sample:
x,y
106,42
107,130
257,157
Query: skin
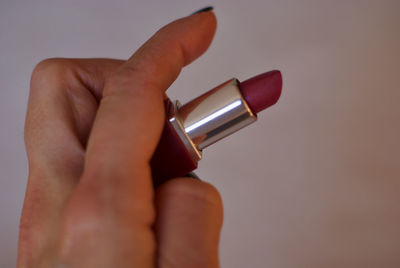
x,y
90,200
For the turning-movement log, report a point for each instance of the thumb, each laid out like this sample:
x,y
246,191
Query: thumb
x,y
188,225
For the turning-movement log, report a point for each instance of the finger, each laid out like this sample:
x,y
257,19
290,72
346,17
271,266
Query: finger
x,y
111,213
189,220
131,113
60,113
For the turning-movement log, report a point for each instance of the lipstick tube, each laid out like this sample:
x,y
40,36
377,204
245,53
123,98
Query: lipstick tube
x,y
201,122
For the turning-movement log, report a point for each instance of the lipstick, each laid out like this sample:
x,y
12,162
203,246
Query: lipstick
x,y
216,114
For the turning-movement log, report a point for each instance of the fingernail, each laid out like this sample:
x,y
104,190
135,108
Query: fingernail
x,y
204,9
192,175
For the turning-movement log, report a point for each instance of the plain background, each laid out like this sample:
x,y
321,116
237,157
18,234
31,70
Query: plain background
x,y
314,183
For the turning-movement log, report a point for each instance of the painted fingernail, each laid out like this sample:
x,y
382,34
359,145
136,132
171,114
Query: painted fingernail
x,y
204,9
192,175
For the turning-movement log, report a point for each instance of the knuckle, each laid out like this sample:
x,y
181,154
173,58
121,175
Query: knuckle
x,y
131,82
211,194
124,75
198,190
47,65
52,68
114,82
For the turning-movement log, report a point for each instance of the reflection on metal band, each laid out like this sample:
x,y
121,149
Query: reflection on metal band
x,y
213,116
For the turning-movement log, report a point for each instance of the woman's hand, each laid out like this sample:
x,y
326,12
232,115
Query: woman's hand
x,y
91,129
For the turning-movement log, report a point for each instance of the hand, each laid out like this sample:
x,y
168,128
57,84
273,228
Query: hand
x,y
92,126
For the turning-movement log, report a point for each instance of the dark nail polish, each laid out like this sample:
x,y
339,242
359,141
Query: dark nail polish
x,y
192,175
204,9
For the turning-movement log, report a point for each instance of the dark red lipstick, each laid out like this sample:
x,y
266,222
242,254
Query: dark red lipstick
x,y
191,127
262,91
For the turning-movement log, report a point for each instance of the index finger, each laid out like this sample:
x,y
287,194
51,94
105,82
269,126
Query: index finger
x,y
130,118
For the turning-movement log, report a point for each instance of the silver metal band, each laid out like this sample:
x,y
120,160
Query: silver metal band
x,y
211,117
